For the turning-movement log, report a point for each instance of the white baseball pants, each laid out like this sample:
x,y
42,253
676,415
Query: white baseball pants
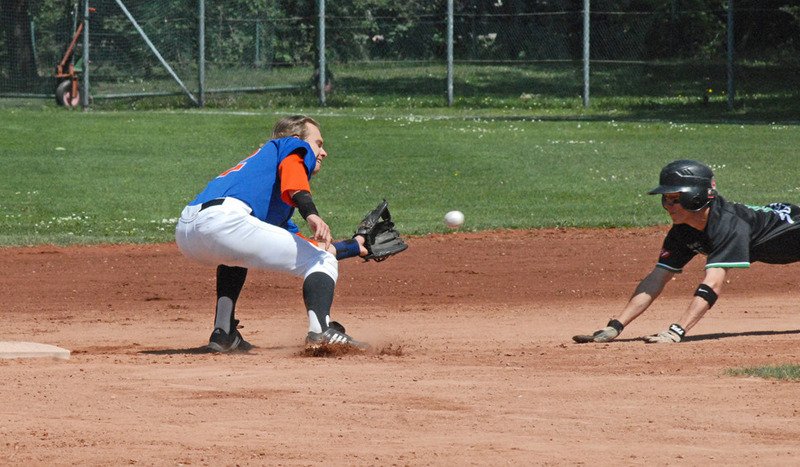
x,y
227,234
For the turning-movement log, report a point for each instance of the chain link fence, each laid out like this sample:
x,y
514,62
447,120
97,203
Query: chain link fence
x,y
505,52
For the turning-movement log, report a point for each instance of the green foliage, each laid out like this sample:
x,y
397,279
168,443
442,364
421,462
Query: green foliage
x,y
95,177
414,30
781,372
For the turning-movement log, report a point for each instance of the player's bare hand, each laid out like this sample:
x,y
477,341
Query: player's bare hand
x,y
361,240
322,233
606,334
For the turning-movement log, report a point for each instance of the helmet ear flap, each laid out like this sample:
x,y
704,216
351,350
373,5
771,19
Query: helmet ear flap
x,y
697,198
689,200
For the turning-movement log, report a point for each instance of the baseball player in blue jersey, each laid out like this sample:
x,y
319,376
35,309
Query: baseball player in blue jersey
x,y
730,235
243,220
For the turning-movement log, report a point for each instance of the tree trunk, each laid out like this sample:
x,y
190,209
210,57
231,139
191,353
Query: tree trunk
x,y
16,19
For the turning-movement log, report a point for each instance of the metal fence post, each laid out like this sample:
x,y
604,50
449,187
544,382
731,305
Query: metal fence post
x,y
321,45
449,53
85,94
586,54
257,42
731,57
201,52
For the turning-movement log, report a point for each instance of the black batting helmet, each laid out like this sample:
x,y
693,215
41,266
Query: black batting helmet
x,y
693,180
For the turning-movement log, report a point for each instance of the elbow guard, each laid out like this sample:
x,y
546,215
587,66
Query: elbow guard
x,y
706,293
305,204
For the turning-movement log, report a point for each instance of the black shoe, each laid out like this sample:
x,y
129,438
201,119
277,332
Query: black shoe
x,y
221,341
333,335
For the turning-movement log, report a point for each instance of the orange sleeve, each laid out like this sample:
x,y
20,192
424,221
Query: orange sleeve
x,y
293,176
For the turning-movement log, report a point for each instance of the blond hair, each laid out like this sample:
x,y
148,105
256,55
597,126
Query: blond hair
x,y
294,125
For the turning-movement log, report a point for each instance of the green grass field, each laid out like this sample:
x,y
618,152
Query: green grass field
x,y
780,372
123,177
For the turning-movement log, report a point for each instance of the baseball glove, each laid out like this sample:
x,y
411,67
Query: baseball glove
x,y
382,240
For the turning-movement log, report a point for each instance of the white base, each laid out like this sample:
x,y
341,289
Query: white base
x,y
31,349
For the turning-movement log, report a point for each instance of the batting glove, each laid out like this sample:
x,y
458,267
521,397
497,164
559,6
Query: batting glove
x,y
606,334
675,333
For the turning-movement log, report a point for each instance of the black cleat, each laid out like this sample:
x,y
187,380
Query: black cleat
x,y
223,342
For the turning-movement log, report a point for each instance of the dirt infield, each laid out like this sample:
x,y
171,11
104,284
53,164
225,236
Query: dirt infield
x,y
478,365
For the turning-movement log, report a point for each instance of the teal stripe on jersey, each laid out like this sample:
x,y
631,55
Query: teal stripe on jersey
x,y
728,265
669,268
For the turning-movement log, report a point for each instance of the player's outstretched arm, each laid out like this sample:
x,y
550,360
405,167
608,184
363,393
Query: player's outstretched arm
x,y
645,294
704,298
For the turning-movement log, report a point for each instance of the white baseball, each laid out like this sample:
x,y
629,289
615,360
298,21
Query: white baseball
x,y
454,219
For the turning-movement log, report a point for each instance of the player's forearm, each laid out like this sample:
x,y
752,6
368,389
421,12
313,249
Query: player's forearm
x,y
635,307
704,298
694,313
348,248
645,294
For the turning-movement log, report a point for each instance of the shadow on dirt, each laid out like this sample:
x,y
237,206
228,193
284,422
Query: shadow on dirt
x,y
196,351
328,350
725,335
704,337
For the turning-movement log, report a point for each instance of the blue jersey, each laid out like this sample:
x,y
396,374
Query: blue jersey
x,y
255,181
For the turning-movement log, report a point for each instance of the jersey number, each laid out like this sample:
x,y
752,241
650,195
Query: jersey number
x,y
237,167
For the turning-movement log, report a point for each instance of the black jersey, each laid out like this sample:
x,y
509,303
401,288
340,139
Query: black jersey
x,y
735,236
